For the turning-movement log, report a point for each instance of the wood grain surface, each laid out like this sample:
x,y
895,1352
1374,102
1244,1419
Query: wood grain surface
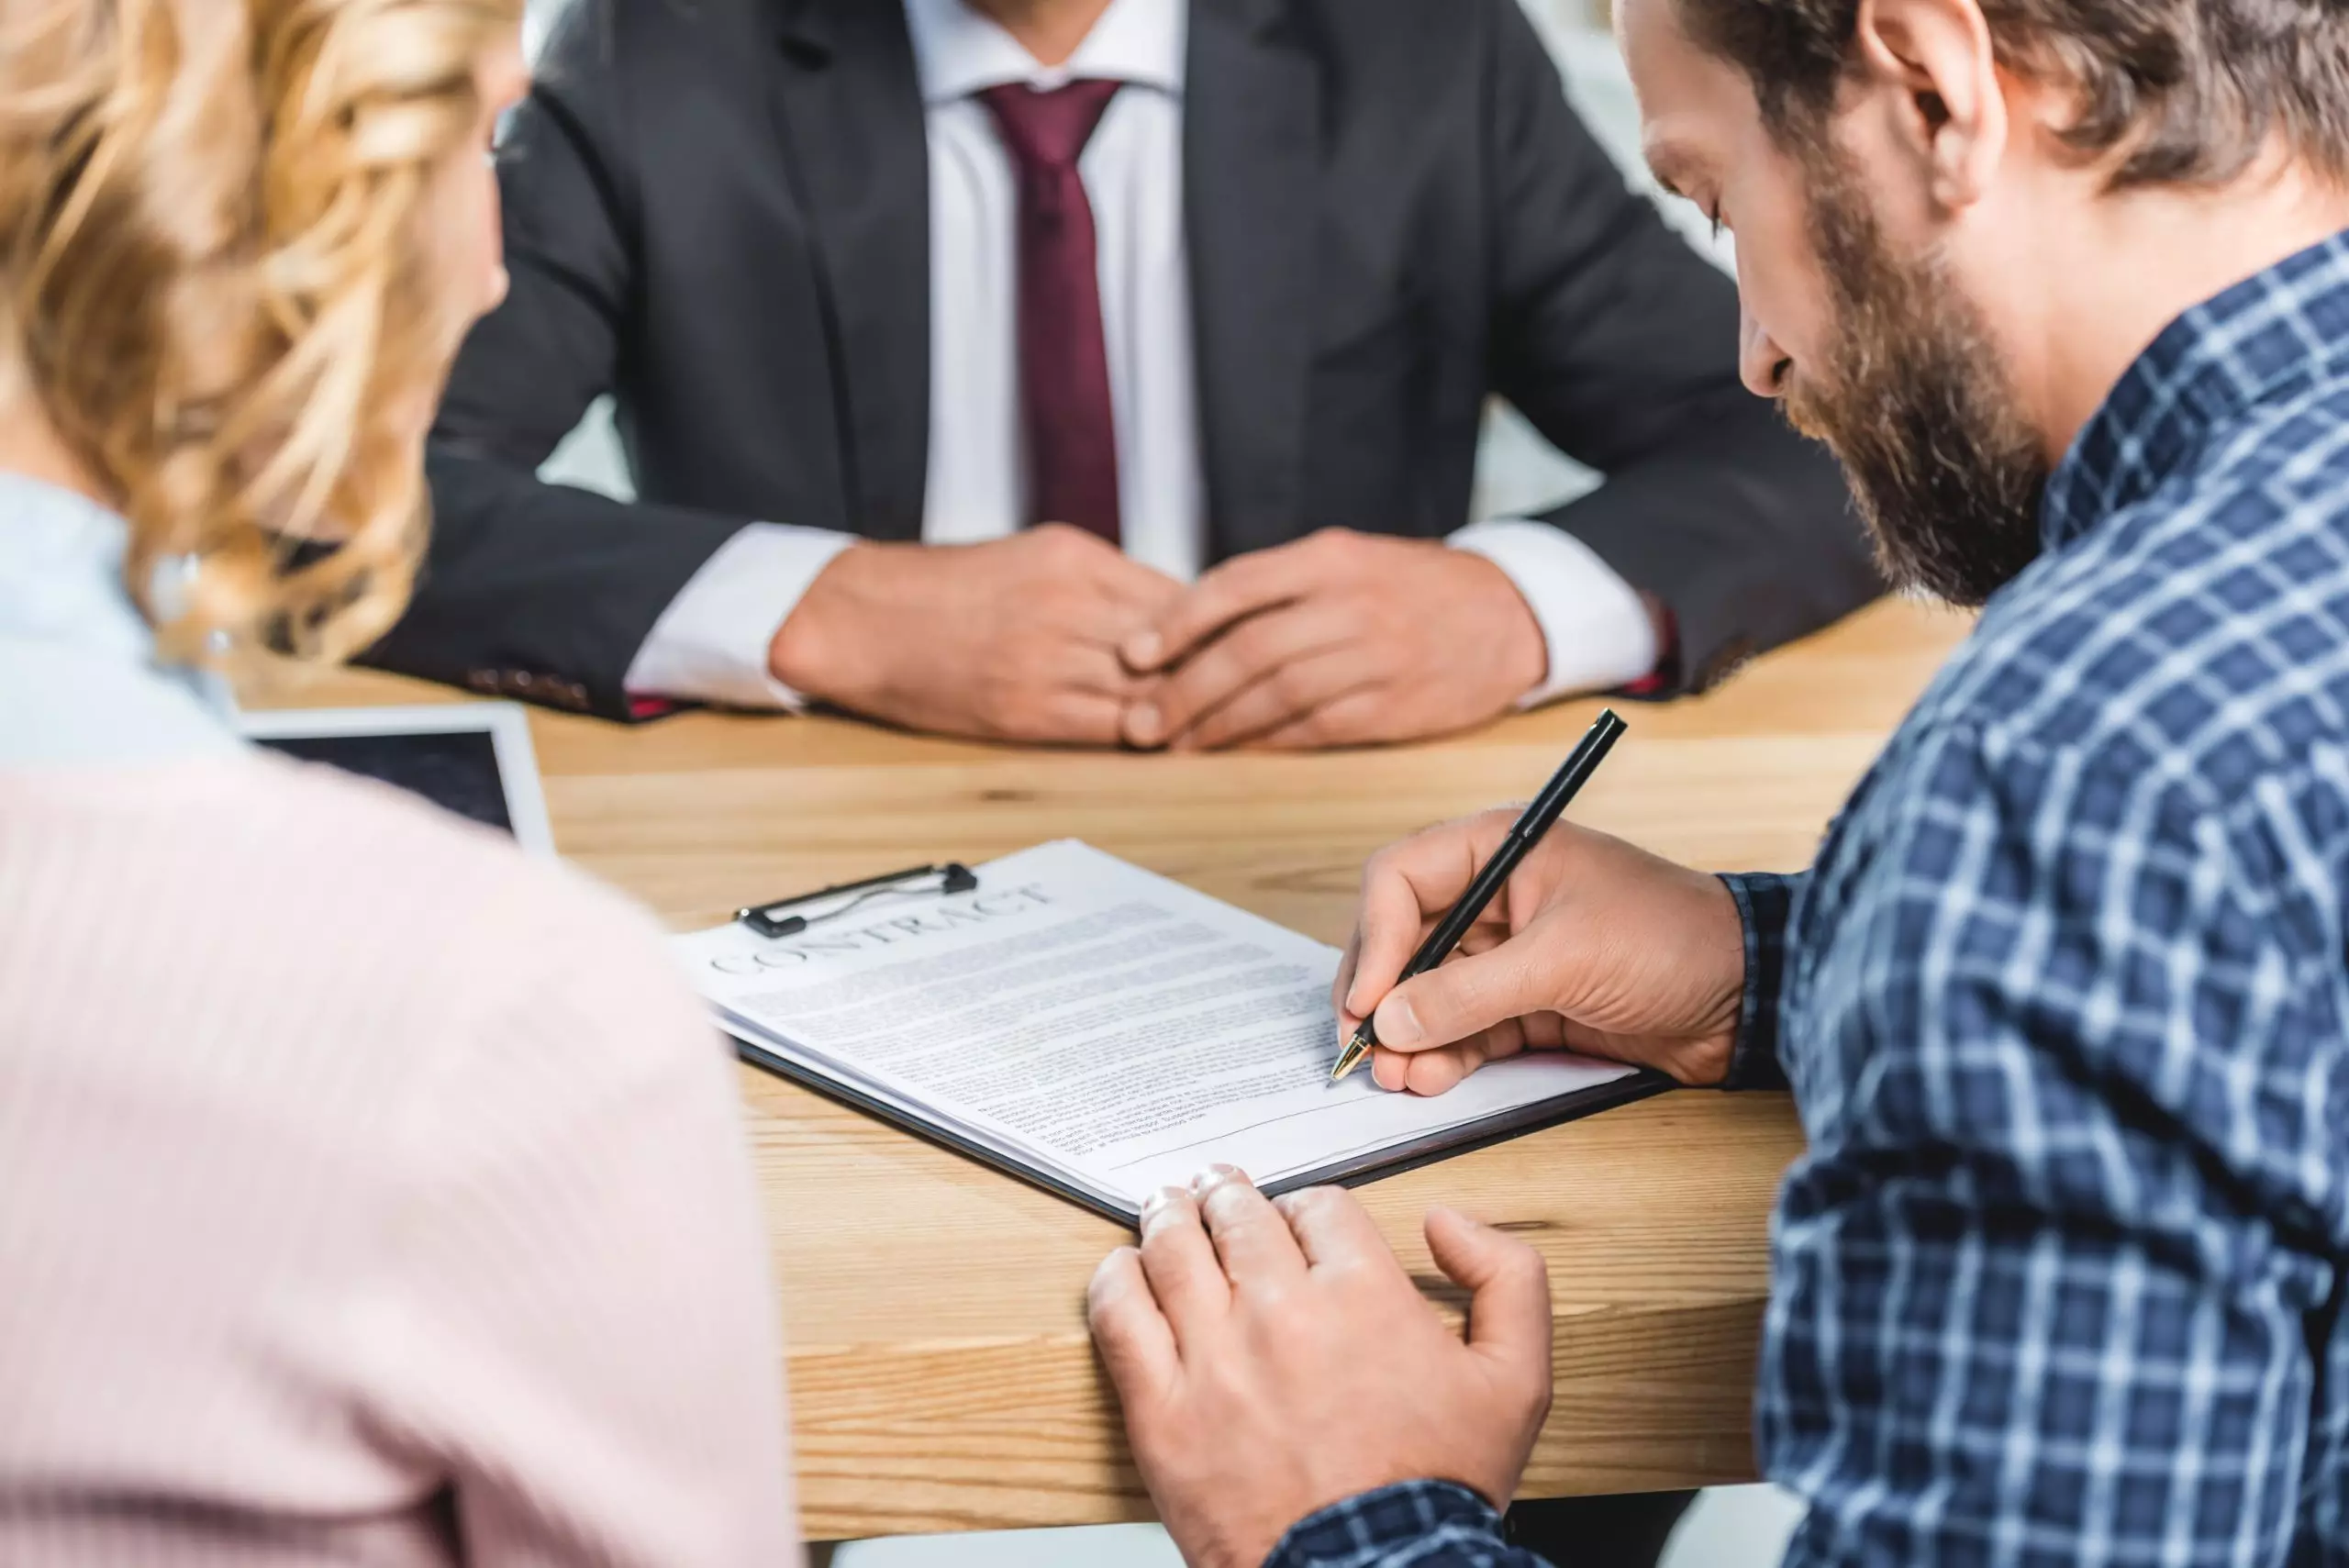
x,y
940,1370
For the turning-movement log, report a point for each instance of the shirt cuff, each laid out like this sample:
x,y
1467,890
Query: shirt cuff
x,y
1764,909
1421,1517
710,645
1597,626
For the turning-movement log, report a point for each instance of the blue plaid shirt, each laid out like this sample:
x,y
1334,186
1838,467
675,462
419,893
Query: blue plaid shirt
x,y
2065,1004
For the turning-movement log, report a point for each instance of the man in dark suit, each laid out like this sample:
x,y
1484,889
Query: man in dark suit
x,y
1221,287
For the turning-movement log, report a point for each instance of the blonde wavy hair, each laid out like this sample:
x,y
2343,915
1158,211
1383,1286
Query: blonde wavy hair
x,y
214,276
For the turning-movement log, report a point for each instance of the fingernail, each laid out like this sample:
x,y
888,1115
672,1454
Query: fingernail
x,y
1142,650
1397,1025
1214,1176
1142,722
1154,1206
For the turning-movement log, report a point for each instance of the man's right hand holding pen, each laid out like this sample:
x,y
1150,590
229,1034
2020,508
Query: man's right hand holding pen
x,y
1595,946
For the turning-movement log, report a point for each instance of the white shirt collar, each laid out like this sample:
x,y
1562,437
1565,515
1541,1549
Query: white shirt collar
x,y
78,678
958,51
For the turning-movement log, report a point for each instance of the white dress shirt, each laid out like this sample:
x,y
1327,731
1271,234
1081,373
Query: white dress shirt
x,y
711,643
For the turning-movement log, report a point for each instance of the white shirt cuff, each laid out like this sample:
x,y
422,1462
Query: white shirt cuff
x,y
711,644
1597,627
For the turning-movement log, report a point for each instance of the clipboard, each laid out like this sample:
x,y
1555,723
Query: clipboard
x,y
1369,1168
752,968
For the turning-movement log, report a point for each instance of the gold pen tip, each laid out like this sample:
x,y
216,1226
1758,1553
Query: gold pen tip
x,y
1349,1059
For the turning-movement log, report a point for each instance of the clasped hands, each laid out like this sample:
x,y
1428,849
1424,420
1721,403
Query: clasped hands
x,y
1054,636
1272,1357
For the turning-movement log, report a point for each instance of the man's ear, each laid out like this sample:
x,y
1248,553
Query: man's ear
x,y
1931,65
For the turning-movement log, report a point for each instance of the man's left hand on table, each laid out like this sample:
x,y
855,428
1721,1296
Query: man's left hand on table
x,y
1341,639
1273,1359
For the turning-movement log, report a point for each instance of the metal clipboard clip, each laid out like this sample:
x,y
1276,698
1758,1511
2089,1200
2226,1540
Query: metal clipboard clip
x,y
919,882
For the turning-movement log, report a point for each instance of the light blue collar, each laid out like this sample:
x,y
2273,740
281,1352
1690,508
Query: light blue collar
x,y
79,680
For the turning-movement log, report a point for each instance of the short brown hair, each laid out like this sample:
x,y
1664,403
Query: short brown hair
x,y
2184,90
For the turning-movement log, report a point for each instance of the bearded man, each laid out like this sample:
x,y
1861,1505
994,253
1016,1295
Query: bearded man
x,y
2062,1000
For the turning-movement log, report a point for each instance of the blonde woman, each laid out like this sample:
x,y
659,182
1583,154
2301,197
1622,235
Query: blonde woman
x,y
367,1194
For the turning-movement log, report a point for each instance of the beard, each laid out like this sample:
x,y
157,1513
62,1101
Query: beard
x,y
1913,400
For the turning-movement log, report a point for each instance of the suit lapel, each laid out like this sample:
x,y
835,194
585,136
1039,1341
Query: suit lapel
x,y
1252,162
849,109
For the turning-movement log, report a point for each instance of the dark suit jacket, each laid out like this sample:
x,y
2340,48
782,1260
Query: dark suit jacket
x,y
717,211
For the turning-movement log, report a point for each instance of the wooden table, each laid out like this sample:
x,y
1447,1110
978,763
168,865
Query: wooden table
x,y
940,1374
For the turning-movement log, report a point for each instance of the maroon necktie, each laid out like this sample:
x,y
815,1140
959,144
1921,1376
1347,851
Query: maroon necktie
x,y
1063,358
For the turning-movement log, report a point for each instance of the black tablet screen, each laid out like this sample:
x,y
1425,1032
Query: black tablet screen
x,y
456,771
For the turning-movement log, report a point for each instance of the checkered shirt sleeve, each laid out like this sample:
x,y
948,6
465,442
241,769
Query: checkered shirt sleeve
x,y
1764,907
1420,1524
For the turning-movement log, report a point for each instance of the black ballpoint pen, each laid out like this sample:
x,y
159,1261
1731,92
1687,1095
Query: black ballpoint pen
x,y
1528,831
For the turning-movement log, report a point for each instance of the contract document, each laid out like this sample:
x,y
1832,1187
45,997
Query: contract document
x,y
1102,1031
